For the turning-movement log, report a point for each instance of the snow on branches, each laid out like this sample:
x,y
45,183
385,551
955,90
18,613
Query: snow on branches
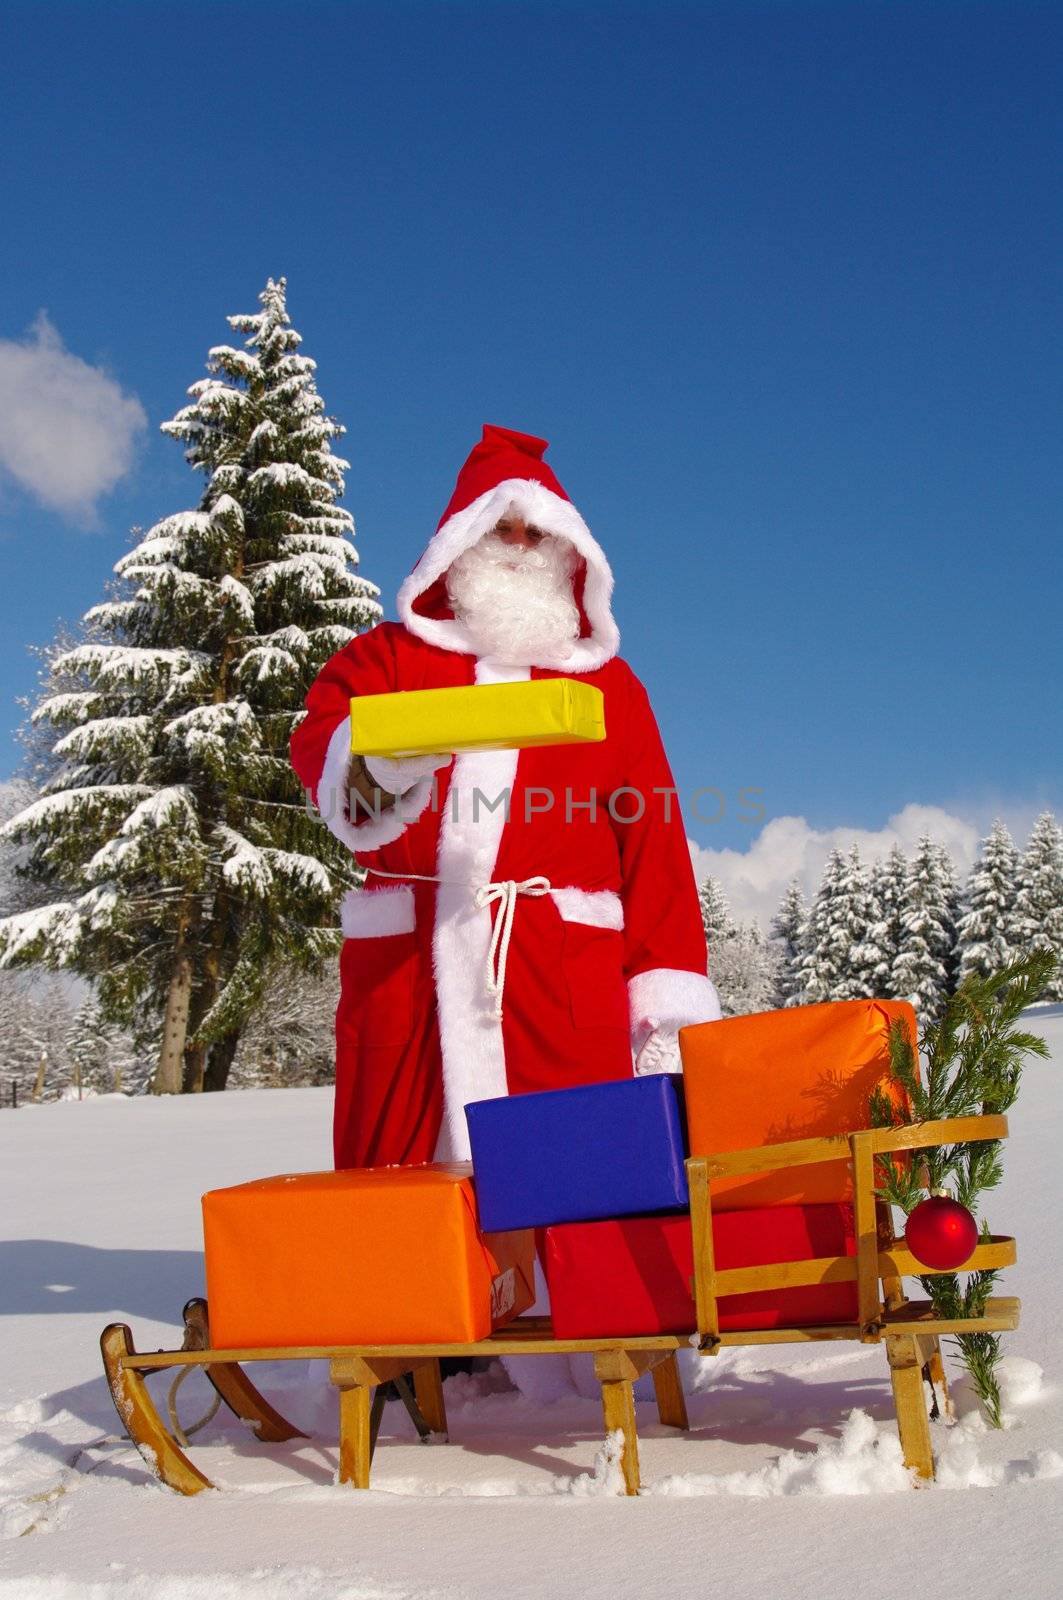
x,y
169,832
897,928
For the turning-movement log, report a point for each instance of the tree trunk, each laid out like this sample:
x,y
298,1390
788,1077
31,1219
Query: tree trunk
x,y
169,1073
196,1069
219,1061
195,1061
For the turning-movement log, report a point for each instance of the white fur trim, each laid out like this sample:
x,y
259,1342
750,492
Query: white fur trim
x,y
377,913
538,505
599,908
666,998
332,788
474,1060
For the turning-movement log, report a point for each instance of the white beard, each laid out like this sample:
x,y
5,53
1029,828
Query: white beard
x,y
516,603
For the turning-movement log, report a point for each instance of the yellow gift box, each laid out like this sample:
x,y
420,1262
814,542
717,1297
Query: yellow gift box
x,y
483,716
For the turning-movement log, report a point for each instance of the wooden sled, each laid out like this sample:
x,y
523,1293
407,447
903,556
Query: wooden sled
x,y
909,1330
360,1373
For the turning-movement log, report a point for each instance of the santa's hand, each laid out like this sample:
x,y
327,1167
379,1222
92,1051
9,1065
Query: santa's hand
x,y
396,774
660,1053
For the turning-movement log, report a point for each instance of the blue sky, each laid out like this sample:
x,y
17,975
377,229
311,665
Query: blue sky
x,y
781,283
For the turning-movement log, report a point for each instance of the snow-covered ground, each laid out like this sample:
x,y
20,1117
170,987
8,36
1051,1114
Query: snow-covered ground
x,y
790,1482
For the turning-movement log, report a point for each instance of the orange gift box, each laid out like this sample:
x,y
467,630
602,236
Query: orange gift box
x,y
373,1255
793,1074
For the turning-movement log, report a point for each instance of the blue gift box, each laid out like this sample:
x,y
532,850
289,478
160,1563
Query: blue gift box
x,y
578,1155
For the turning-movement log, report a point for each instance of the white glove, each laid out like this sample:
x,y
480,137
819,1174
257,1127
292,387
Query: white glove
x,y
396,774
660,1053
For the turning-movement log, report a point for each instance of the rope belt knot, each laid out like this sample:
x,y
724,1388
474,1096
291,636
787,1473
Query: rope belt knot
x,y
505,891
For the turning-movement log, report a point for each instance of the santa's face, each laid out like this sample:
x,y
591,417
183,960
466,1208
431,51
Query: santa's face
x,y
513,593
515,531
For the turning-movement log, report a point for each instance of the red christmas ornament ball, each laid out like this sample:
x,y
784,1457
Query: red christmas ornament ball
x,y
941,1233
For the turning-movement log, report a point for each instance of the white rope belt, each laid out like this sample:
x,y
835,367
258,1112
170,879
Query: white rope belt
x,y
505,891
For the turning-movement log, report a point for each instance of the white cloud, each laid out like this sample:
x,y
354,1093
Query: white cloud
x,y
788,847
67,431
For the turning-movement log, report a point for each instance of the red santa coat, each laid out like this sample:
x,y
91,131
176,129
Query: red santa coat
x,y
605,939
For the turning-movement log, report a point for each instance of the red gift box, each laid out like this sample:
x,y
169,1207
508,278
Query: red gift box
x,y
633,1275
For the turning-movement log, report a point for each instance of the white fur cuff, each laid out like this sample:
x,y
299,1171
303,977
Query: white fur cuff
x,y
667,998
332,792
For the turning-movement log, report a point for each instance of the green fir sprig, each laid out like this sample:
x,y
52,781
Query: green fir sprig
x,y
974,1054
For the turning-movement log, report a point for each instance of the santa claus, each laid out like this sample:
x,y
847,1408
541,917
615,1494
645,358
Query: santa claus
x,y
529,919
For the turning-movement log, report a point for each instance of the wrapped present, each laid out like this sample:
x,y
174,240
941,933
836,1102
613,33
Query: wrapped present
x,y
633,1275
598,1150
483,716
376,1255
800,1073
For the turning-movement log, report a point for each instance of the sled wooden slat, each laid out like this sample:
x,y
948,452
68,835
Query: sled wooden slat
x,y
923,1135
500,1344
771,1157
705,1284
835,1146
999,1251
809,1335
786,1275
866,1219
1001,1316
897,1261
915,1316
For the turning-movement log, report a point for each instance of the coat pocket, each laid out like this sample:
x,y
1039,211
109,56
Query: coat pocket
x,y
378,963
593,962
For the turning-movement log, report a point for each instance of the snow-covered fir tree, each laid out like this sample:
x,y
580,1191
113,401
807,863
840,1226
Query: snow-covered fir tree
x,y
924,969
743,968
821,959
888,885
741,963
172,836
716,916
15,890
987,934
787,928
1039,901
853,914
832,960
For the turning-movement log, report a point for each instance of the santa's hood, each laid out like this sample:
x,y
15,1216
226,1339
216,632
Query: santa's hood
x,y
504,470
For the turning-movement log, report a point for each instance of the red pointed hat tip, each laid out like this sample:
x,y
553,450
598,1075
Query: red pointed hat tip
x,y
502,453
510,439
